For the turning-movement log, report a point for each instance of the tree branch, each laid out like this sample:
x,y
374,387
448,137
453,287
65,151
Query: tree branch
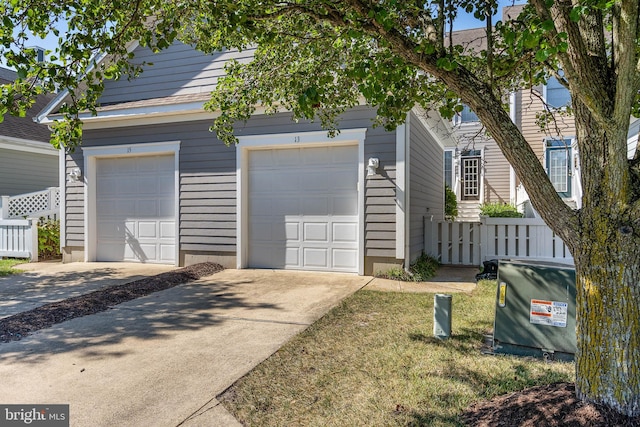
x,y
585,61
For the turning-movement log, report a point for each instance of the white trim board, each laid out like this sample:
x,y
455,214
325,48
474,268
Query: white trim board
x,y
288,140
91,154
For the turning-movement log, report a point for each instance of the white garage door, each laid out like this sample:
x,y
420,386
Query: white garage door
x,y
135,209
303,208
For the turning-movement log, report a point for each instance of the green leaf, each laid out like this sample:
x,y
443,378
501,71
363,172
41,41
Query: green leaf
x,y
531,41
548,25
577,12
542,55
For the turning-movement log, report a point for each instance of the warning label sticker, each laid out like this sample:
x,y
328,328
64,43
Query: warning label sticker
x,y
551,313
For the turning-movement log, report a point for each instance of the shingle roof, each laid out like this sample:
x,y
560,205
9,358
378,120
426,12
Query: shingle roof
x,y
154,102
24,127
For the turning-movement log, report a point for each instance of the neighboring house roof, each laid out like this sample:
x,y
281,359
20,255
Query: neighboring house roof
x,y
24,128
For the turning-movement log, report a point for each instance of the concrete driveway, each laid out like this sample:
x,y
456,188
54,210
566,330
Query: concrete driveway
x,y
160,360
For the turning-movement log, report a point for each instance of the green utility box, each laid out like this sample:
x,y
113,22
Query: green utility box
x,y
535,310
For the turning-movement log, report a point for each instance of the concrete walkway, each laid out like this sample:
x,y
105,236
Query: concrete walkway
x,y
159,360
448,279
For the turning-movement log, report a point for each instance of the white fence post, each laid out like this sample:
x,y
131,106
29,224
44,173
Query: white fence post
x,y
5,207
33,230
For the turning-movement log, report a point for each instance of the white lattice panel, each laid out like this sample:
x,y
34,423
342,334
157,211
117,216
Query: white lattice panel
x,y
32,203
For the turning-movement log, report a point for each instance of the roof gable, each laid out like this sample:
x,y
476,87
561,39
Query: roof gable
x,y
24,127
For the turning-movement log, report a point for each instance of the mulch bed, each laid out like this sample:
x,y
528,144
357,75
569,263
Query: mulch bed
x,y
554,405
15,327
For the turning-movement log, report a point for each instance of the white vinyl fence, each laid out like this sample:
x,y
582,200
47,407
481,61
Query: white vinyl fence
x,y
19,238
19,216
471,243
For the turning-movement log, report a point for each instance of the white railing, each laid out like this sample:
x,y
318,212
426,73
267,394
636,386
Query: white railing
x,y
465,243
44,203
19,238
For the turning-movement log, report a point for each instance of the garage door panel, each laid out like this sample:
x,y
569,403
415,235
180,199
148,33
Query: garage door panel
x,y
260,182
124,208
345,258
315,181
345,232
345,206
315,206
283,206
318,156
168,231
310,209
147,208
112,252
284,181
316,258
344,155
342,180
292,232
147,230
136,209
167,253
288,157
166,208
316,232
166,185
262,231
111,230
260,206
106,207
124,164
148,184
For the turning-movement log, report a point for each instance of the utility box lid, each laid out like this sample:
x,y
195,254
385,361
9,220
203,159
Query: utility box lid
x,y
535,308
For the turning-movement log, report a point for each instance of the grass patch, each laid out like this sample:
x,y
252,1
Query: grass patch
x,y
373,361
423,269
6,266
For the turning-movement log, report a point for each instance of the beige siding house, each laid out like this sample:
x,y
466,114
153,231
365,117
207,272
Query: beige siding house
x,y
155,185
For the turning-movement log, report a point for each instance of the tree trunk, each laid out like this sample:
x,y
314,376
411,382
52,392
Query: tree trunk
x,y
608,316
607,259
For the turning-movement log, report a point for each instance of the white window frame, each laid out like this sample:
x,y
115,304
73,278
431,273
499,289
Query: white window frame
x,y
570,146
460,177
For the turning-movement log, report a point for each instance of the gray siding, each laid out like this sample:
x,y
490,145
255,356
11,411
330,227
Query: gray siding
x,y
179,70
426,186
24,172
74,203
208,179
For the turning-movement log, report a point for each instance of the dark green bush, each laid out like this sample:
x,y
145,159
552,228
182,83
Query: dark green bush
x,y
499,210
450,204
48,239
422,269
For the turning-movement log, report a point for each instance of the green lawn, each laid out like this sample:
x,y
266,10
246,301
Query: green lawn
x,y
372,361
6,266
